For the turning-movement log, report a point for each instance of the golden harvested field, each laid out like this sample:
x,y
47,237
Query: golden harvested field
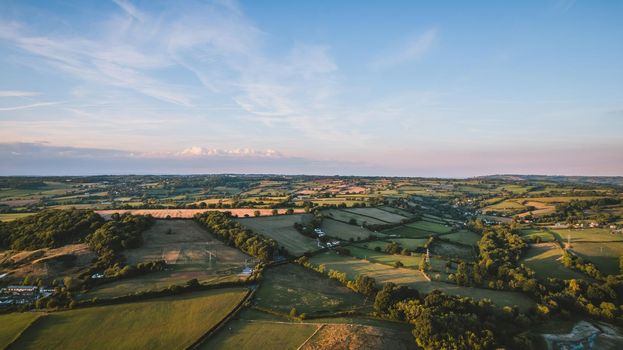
x,y
47,263
189,213
354,336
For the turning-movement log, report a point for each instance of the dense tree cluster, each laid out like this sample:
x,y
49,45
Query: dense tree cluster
x,y
122,232
48,229
223,226
443,321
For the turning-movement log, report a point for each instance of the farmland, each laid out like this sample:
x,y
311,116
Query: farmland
x,y
189,213
14,324
281,229
162,323
544,260
344,231
288,286
186,248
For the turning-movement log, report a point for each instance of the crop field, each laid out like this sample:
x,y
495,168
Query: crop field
x,y
587,235
281,229
164,323
387,259
15,323
378,214
543,259
463,237
287,286
260,334
190,213
345,216
344,231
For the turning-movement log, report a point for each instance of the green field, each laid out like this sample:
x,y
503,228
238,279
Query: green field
x,y
344,231
345,216
381,272
406,243
452,250
281,229
430,227
13,324
259,334
164,323
287,286
387,259
543,235
543,259
378,214
605,255
415,279
463,237
175,275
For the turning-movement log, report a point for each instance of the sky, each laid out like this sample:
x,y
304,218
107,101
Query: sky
x,y
400,88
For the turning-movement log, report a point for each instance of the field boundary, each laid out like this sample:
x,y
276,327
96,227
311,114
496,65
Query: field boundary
x,y
19,335
311,336
223,321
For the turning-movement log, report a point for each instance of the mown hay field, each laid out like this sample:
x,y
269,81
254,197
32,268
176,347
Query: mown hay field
x,y
164,323
260,334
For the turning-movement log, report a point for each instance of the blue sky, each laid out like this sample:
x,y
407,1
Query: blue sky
x,y
417,88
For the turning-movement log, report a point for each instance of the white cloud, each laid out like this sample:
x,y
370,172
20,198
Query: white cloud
x,y
29,106
196,151
17,93
413,49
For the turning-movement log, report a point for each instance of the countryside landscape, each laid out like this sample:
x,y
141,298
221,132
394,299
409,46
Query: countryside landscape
x,y
308,262
311,175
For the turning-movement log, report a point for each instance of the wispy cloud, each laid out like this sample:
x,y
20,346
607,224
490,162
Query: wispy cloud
x,y
17,93
409,50
29,106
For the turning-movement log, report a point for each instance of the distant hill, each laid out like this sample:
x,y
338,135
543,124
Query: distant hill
x,y
600,180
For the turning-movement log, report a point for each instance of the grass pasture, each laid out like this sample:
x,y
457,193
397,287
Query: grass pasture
x,y
605,255
463,237
260,334
415,279
15,323
380,272
430,227
543,259
344,231
281,229
286,286
386,259
452,250
346,216
186,253
378,214
164,323
543,235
